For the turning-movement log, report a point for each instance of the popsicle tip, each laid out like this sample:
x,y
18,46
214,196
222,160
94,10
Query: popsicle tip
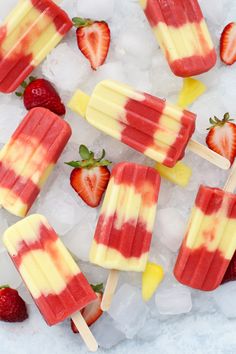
x,y
79,103
105,305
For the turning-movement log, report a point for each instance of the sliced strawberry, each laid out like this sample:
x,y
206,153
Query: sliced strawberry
x,y
90,176
93,311
93,38
222,137
41,93
228,44
230,274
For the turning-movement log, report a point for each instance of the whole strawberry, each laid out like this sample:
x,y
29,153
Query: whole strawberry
x,y
93,39
41,93
230,274
90,176
12,307
222,137
93,311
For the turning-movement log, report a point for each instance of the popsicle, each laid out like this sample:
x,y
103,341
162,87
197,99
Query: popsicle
x,y
28,158
210,240
124,230
152,126
54,280
182,33
29,33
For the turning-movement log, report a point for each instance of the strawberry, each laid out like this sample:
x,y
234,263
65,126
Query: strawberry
x,y
41,93
228,44
230,274
92,312
93,38
222,137
90,176
12,307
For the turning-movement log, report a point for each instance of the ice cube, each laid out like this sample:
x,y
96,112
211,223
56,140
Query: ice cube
x,y
95,274
59,203
128,310
170,227
79,239
8,273
173,299
160,254
96,9
224,297
149,331
105,332
67,68
165,193
213,11
11,115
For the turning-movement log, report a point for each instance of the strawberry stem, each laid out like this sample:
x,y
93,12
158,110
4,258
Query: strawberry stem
x,y
98,288
4,286
81,22
24,85
216,122
88,159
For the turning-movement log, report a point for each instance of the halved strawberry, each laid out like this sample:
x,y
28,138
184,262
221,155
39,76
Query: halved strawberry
x,y
230,274
222,137
93,311
228,44
90,176
12,306
93,38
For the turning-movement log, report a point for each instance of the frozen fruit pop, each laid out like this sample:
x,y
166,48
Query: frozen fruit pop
x,y
182,33
124,230
54,280
28,158
29,33
210,241
152,126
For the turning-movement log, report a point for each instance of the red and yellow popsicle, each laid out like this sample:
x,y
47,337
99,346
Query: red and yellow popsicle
x,y
210,241
54,280
29,33
148,124
28,158
182,33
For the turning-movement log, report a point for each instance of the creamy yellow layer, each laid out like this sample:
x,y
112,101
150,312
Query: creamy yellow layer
x,y
44,272
184,41
42,35
12,203
27,160
128,205
212,232
112,259
107,106
166,135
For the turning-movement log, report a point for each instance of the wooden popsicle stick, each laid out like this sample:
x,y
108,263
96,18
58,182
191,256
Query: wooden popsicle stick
x,y
209,155
85,332
230,184
110,289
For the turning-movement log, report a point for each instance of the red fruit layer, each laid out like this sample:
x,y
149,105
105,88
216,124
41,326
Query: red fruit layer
x,y
143,118
15,66
50,132
209,201
77,294
61,20
195,64
132,240
200,269
145,180
173,12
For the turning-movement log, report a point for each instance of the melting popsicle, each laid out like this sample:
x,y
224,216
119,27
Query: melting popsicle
x,y
54,280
